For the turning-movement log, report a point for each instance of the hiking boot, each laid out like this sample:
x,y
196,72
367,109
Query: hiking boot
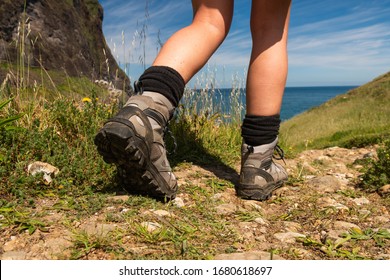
x,y
260,175
133,140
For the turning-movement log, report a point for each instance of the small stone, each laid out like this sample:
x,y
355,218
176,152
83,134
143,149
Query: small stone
x,y
10,245
217,196
162,213
361,201
43,167
151,226
94,228
123,198
382,219
261,221
325,202
292,226
341,225
385,190
325,184
288,237
252,205
226,209
178,202
334,234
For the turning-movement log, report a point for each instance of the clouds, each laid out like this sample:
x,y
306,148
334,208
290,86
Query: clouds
x,y
346,44
330,43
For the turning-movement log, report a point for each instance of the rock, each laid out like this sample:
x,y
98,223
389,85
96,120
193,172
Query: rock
x,y
162,213
334,234
57,245
121,198
151,226
178,202
325,184
94,228
385,190
325,202
288,237
254,255
361,201
261,221
48,170
382,219
292,226
226,209
252,205
341,225
66,36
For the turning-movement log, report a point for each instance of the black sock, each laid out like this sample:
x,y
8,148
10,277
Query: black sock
x,y
164,80
259,130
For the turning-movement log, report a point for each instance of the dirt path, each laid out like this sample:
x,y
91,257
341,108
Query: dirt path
x,y
317,215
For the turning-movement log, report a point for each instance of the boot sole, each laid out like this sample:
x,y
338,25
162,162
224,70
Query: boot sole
x,y
119,145
255,192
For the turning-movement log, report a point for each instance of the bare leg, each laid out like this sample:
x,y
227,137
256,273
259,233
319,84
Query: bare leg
x,y
188,50
268,65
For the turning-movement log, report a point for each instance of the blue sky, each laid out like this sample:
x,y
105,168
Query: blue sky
x,y
331,42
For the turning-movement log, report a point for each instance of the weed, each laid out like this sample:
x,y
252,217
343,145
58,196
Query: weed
x,y
377,173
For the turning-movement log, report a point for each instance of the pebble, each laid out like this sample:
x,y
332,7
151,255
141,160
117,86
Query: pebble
x,y
226,209
341,225
361,201
325,184
325,202
261,221
151,226
382,219
178,202
292,226
385,190
288,237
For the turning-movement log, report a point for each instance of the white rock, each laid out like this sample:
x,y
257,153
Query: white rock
x,y
261,221
151,226
178,202
288,237
361,201
48,170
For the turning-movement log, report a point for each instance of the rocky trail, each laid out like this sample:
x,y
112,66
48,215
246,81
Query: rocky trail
x,y
318,214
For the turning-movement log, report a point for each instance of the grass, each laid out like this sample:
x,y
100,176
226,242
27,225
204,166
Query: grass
x,y
358,118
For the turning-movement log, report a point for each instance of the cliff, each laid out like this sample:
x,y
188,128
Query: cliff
x,y
58,35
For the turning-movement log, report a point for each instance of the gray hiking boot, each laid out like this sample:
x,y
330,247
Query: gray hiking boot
x,y
260,175
133,140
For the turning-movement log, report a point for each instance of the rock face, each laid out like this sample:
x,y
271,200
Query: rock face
x,y
59,35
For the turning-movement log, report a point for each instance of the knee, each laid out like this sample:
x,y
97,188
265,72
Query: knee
x,y
213,22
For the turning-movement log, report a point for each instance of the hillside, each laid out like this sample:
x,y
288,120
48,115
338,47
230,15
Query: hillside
x,y
61,36
354,119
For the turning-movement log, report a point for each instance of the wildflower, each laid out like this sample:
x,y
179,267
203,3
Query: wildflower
x,y
87,99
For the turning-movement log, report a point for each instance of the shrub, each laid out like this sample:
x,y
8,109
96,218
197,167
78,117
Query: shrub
x,y
377,173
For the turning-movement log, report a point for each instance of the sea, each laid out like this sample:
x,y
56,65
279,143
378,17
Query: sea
x,y
295,101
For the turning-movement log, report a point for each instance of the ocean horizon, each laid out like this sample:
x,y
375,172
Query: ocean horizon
x,y
296,100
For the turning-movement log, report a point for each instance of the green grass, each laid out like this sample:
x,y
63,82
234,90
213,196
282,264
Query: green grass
x,y
358,118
